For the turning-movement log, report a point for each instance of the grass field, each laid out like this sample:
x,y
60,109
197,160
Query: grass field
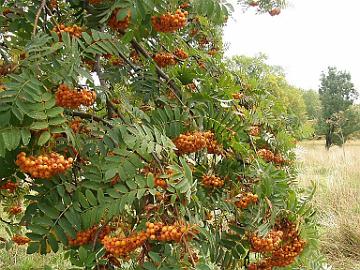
x,y
337,175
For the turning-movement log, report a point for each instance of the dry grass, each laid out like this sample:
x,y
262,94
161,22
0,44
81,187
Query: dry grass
x,y
337,175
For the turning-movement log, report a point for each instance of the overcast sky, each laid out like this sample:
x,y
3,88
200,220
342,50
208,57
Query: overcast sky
x,y
304,39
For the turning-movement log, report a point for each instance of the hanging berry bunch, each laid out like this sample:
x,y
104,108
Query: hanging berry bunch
x,y
71,98
246,199
181,54
20,240
164,59
212,181
6,69
279,248
74,30
238,95
53,4
15,210
169,22
212,145
43,166
254,131
190,142
269,156
87,236
9,186
120,25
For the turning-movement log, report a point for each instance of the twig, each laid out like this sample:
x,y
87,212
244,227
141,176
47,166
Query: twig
x,y
88,116
38,13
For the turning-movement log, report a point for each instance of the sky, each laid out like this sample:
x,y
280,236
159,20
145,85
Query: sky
x,y
306,38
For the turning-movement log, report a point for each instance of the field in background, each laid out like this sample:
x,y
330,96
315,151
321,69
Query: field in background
x,y
337,175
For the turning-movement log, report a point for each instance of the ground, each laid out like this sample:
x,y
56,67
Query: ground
x,y
337,175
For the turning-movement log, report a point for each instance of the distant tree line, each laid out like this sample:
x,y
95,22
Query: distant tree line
x,y
329,112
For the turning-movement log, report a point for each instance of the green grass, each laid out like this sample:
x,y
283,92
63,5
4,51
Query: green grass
x,y
337,175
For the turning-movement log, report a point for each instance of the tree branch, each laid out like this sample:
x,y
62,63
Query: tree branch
x,y
88,116
38,13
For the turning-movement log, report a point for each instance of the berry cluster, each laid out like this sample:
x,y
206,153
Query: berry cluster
x,y
185,5
74,30
15,209
285,245
164,59
43,166
254,131
181,54
269,156
169,22
246,199
212,145
159,182
212,181
6,69
87,236
20,240
192,142
9,186
275,11
122,246
238,96
266,244
53,4
213,52
121,25
71,98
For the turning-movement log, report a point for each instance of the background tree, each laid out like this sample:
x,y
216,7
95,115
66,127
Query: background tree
x,y
337,94
127,141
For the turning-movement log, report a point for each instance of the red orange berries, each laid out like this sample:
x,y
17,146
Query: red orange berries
x,y
74,30
169,22
269,156
246,199
164,59
181,54
192,142
120,25
254,131
43,166
15,209
275,11
71,98
9,186
20,240
212,181
87,236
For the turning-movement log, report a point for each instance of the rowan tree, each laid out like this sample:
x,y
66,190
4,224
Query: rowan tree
x,y
127,141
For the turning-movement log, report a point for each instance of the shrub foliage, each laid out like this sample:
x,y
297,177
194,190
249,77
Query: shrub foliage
x,y
126,141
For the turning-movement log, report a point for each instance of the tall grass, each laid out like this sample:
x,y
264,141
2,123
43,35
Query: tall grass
x,y
337,175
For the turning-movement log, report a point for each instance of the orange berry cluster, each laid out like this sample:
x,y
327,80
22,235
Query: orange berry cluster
x,y
275,11
43,166
246,199
185,5
122,246
71,98
15,209
213,52
20,240
75,125
288,246
192,142
9,186
266,244
169,22
181,54
53,4
164,59
269,156
237,96
74,30
121,25
212,181
6,69
87,236
159,182
254,131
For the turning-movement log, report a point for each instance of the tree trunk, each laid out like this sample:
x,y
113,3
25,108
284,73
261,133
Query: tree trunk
x,y
329,138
